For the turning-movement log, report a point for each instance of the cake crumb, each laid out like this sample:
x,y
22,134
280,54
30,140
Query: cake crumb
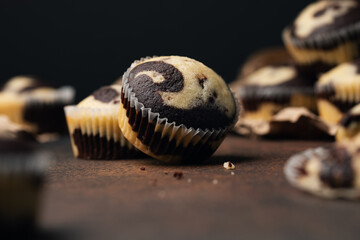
x,y
162,194
166,173
178,175
142,169
215,181
229,165
189,180
232,173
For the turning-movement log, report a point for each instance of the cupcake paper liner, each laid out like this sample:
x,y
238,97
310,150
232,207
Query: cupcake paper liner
x,y
157,137
95,133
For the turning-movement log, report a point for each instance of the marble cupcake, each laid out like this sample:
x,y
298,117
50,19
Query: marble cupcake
x,y
175,109
338,91
93,127
34,103
265,57
327,172
22,172
325,34
272,88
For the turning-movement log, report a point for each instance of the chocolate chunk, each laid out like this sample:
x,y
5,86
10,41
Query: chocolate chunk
x,y
201,78
211,100
105,94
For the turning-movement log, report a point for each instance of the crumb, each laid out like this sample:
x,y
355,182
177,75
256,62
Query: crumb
x,y
178,175
189,180
142,169
229,165
215,181
232,173
162,194
166,173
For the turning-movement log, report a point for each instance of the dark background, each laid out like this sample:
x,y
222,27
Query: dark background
x,y
88,44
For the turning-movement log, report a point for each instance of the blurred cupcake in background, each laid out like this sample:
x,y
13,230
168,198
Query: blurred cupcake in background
x,y
263,58
22,173
325,34
338,91
34,103
271,88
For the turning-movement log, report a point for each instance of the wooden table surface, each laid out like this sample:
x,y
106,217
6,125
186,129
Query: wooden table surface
x,y
117,200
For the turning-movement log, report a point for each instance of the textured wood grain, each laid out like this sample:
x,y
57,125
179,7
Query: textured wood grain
x,y
120,199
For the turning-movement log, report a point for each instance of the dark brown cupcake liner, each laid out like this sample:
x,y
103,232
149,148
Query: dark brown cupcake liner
x,y
95,134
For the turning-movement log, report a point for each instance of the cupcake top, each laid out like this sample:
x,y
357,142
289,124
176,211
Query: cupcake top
x,y
275,76
31,87
25,83
323,168
324,17
271,56
182,90
105,97
341,82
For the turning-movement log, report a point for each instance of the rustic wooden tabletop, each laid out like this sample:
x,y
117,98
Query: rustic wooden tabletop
x,y
141,199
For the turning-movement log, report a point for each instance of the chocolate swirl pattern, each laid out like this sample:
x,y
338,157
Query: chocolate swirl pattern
x,y
183,96
325,15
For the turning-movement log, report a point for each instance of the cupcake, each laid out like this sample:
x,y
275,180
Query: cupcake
x,y
325,34
272,88
31,102
338,91
175,109
22,169
263,58
93,127
327,172
349,126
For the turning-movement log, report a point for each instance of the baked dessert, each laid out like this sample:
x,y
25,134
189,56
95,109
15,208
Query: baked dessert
x,y
325,34
175,109
265,57
93,127
22,170
272,88
34,103
338,91
327,172
349,126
